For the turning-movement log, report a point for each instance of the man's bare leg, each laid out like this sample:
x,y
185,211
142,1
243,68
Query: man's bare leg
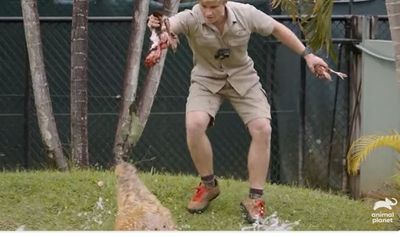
x,y
259,152
198,143
253,206
201,152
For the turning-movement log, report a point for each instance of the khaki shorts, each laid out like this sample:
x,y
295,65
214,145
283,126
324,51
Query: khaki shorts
x,y
251,106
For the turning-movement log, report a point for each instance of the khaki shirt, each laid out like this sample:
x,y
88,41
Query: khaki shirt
x,y
205,39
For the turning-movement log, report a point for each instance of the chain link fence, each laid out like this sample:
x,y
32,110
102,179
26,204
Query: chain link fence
x,y
310,117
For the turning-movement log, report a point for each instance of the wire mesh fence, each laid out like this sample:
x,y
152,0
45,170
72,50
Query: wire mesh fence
x,y
309,117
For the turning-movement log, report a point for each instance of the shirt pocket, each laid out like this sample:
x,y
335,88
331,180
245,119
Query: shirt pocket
x,y
239,38
207,40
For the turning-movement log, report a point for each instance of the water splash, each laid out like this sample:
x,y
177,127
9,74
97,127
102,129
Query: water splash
x,y
271,223
21,228
99,204
95,217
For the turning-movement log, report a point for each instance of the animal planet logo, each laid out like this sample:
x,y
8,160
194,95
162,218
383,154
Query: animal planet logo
x,y
385,204
384,217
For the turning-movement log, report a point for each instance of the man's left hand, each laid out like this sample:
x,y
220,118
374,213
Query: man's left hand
x,y
314,63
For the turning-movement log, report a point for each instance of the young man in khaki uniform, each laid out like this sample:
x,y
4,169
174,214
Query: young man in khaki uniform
x,y
218,33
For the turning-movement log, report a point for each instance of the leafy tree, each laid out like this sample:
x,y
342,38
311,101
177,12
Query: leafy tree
x,y
313,17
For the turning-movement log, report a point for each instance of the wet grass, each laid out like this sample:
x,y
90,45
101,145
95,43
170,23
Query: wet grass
x,y
48,200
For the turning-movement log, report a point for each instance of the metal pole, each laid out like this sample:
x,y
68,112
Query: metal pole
x,y
361,31
302,120
349,59
333,129
351,7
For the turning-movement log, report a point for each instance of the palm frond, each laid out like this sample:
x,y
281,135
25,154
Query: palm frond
x,y
314,20
360,149
290,6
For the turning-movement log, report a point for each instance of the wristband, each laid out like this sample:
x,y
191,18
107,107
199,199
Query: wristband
x,y
306,52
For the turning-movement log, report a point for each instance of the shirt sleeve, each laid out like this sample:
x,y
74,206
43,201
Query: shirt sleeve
x,y
260,22
182,22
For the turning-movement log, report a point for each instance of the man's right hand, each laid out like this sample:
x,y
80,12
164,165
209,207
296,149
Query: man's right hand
x,y
153,22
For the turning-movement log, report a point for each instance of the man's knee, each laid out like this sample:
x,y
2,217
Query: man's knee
x,y
196,123
260,128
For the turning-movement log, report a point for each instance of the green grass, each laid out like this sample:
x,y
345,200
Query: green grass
x,y
48,200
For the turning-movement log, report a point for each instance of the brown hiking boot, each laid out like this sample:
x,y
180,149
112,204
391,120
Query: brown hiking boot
x,y
253,209
202,198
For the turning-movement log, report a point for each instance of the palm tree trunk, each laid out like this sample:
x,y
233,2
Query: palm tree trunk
x,y
138,29
138,208
133,116
47,125
393,10
149,90
79,79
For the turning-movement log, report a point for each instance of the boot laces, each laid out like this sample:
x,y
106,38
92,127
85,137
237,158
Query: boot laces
x,y
259,206
200,191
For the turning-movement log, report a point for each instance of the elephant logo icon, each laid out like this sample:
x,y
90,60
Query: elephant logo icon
x,y
387,203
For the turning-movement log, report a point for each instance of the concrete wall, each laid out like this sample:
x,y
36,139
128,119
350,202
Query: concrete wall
x,y
380,111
